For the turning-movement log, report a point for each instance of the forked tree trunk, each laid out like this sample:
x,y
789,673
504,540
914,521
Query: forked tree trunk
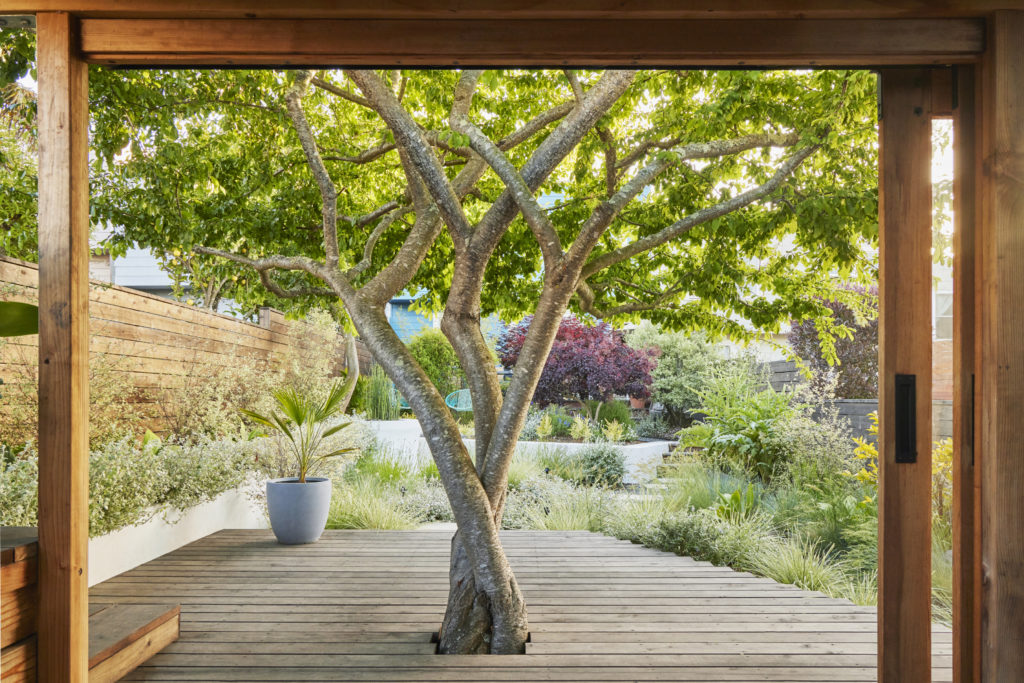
x,y
475,622
486,613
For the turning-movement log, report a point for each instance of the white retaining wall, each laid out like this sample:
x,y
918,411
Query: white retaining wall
x,y
404,439
127,548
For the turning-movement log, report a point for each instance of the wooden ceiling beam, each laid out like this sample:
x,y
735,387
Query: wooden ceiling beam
x,y
447,42
510,9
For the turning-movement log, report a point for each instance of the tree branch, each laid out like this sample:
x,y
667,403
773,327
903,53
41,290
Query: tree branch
x,y
550,153
328,192
685,224
536,218
610,176
574,83
342,93
264,266
411,139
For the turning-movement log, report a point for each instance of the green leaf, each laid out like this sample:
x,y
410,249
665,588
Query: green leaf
x,y
18,319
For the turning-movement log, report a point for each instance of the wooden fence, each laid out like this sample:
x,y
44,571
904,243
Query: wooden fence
x,y
159,342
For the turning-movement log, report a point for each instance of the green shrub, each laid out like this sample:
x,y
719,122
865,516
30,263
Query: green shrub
x,y
557,462
557,418
113,411
653,427
19,480
684,364
381,396
427,503
531,498
616,432
435,354
545,428
740,423
602,465
604,412
817,440
582,429
703,535
129,484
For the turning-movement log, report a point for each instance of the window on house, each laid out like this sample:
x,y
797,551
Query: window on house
x,y
943,315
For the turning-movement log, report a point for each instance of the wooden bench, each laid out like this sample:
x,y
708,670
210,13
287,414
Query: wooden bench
x,y
121,637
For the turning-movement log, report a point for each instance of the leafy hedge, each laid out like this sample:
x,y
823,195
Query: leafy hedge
x,y
130,484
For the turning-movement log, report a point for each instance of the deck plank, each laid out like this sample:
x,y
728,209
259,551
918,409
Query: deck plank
x,y
362,606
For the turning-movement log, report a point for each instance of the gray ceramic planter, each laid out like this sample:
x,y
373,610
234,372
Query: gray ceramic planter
x,y
298,512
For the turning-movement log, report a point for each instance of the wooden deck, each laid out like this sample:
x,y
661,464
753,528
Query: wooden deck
x,y
362,605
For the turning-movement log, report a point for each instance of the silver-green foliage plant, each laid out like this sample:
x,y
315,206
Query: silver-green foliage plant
x,y
381,397
303,422
602,464
130,483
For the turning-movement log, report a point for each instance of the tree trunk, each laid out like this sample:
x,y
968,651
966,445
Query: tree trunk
x,y
351,370
486,612
478,623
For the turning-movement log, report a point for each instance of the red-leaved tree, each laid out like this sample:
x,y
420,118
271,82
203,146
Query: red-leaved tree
x,y
586,362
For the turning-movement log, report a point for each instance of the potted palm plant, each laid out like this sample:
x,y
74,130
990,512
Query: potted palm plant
x,y
298,506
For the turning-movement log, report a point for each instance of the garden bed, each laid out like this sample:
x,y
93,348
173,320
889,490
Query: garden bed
x,y
127,548
404,440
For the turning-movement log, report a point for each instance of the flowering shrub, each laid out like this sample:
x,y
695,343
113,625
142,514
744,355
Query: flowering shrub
x,y
585,362
866,454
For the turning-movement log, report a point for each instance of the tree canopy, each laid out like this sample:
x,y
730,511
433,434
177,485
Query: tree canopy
x,y
187,158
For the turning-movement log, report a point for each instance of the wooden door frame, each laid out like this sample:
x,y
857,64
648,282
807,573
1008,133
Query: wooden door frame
x,y
637,32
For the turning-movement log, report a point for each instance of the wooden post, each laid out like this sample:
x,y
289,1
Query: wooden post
x,y
63,352
1001,258
966,385
905,339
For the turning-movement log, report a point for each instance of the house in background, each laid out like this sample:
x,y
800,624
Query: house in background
x,y
405,321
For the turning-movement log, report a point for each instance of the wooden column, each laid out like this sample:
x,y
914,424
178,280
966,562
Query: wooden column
x,y
905,339
966,384
63,352
1001,235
